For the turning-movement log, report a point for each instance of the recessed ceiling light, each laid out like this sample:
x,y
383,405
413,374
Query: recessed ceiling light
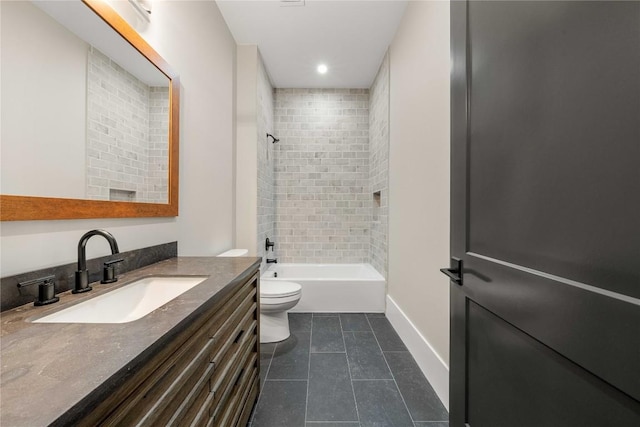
x,y
322,69
285,3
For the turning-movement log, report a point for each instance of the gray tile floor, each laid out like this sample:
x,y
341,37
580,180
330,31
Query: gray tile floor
x,y
343,370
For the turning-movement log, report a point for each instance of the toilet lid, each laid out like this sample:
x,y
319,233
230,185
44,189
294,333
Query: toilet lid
x,y
278,288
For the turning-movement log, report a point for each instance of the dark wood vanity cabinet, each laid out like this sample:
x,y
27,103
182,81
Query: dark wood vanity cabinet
x,y
206,376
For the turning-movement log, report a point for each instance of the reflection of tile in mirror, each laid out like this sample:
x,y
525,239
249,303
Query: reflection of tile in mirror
x,y
128,129
121,195
54,96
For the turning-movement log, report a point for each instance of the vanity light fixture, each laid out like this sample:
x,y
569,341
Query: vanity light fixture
x,y
288,3
143,7
322,69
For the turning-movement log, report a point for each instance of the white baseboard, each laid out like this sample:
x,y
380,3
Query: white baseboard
x,y
431,365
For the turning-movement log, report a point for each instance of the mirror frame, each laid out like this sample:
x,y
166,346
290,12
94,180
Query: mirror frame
x,y
23,208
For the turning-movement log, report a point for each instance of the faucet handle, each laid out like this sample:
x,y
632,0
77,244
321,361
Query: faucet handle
x,y
109,271
46,289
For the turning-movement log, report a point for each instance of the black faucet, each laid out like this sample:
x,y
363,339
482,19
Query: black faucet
x,y
272,261
82,275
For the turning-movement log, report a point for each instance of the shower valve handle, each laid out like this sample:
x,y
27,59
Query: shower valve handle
x,y
269,244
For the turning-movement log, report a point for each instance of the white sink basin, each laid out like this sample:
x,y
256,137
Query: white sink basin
x,y
126,304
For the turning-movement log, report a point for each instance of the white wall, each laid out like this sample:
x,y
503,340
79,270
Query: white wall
x,y
266,163
44,69
419,171
247,148
379,167
194,39
255,155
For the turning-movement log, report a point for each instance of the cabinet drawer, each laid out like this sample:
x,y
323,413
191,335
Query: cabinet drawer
x,y
247,404
220,385
167,399
229,349
220,414
232,330
223,380
241,390
122,396
171,388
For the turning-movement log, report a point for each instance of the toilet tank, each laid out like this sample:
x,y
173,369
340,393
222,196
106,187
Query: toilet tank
x,y
234,252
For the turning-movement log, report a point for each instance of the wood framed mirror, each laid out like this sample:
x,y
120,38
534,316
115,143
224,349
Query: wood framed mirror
x,y
18,203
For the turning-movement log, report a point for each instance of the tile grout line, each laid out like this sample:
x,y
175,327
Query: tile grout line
x,y
266,374
329,352
335,422
253,416
346,356
430,422
306,404
425,422
351,379
392,375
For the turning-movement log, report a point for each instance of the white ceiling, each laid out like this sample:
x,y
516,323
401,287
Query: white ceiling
x,y
349,36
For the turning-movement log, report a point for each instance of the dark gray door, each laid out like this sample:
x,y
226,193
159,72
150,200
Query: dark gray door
x,y
545,327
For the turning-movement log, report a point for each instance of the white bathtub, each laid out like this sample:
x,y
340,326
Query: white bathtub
x,y
354,288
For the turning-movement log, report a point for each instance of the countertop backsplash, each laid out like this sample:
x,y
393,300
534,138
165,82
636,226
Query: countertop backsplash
x,y
12,297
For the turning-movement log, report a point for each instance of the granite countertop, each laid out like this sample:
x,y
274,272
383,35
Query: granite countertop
x,y
54,371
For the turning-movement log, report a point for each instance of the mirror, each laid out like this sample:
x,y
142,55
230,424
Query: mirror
x,y
89,116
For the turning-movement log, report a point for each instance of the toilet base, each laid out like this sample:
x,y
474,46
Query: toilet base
x,y
274,327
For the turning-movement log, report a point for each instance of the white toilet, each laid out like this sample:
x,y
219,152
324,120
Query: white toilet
x,y
235,252
276,297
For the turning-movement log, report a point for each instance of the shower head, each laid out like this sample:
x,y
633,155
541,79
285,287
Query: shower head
x,y
274,138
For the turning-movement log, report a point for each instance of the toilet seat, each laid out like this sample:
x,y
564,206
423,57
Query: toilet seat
x,y
278,289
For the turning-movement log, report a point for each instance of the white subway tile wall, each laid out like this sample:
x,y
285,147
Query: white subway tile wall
x,y
127,133
157,177
379,166
322,185
266,164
